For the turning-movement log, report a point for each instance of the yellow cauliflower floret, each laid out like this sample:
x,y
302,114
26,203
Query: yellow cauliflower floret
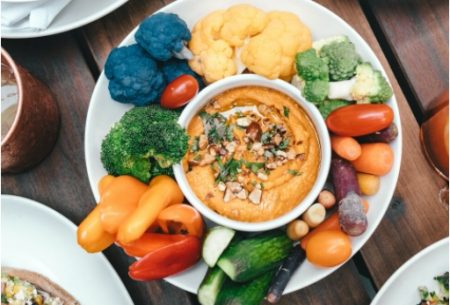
x,y
206,31
266,43
263,56
215,63
242,21
285,30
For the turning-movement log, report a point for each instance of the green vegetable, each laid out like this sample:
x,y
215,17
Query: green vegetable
x,y
443,283
286,111
216,241
370,85
315,91
229,170
211,286
195,144
144,137
216,128
341,57
157,170
266,137
249,293
310,67
328,106
254,166
318,44
294,172
283,144
250,258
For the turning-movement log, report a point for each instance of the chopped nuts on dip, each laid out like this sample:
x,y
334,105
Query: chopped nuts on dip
x,y
253,154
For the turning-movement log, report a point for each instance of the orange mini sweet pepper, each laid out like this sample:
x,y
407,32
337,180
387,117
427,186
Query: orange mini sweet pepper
x,y
118,199
90,234
181,219
162,192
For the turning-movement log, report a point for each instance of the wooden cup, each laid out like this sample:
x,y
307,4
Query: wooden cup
x,y
35,128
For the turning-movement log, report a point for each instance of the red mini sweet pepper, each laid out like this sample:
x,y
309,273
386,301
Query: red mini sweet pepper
x,y
167,260
150,242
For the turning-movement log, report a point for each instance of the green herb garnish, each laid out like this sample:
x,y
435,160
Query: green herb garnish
x,y
294,172
254,166
284,144
286,111
195,144
266,137
229,170
216,128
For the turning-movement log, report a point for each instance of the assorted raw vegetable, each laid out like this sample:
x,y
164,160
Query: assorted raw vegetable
x,y
147,221
247,266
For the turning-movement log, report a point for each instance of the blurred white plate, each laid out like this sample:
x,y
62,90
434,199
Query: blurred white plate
x,y
104,112
77,13
402,286
37,238
18,1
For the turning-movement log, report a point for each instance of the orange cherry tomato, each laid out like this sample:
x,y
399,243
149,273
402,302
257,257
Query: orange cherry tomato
x,y
179,92
328,248
360,119
181,219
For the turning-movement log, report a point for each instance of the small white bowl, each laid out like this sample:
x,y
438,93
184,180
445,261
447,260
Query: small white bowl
x,y
218,87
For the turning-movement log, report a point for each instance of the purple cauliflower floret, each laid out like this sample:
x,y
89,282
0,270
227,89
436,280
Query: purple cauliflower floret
x,y
163,35
134,77
175,67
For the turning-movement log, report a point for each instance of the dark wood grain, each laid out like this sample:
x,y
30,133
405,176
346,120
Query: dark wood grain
x,y
60,181
417,32
416,218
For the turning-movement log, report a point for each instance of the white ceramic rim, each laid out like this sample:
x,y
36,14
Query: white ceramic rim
x,y
406,265
243,80
64,28
47,210
357,242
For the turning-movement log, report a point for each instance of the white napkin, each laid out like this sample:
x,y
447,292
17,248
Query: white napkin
x,y
34,16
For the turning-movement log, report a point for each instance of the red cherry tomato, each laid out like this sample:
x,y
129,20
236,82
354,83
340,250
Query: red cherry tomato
x,y
179,92
358,120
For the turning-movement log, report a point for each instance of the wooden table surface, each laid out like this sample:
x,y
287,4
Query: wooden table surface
x,y
409,37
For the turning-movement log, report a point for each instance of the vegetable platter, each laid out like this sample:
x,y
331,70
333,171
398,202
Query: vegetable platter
x,y
104,112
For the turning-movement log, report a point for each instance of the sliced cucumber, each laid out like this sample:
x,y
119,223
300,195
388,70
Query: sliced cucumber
x,y
249,293
210,287
216,241
249,258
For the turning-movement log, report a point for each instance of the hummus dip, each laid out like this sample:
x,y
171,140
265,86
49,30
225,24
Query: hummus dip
x,y
253,154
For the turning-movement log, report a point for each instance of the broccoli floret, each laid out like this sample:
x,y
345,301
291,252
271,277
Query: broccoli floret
x,y
342,59
310,66
153,113
318,44
118,160
175,67
145,141
315,91
156,170
133,76
163,35
370,85
328,106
